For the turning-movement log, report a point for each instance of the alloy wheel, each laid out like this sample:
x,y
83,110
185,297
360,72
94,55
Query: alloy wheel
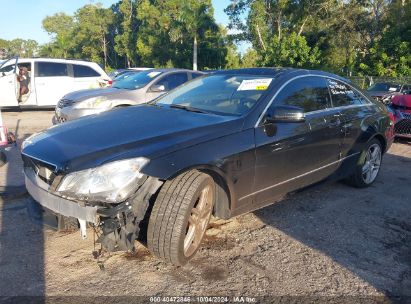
x,y
198,220
372,164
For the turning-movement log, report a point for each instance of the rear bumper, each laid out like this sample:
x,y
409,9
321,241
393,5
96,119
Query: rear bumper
x,y
39,191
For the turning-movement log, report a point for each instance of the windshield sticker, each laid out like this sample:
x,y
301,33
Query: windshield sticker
x,y
255,84
153,74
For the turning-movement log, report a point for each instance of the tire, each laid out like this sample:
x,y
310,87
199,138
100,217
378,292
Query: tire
x,y
180,217
368,167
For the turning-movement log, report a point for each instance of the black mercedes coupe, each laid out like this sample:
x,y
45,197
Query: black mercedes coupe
x,y
222,144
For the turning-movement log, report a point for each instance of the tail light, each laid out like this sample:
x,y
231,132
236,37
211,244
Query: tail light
x,y
110,82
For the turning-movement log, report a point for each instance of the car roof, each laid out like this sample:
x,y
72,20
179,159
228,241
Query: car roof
x,y
165,70
277,72
59,60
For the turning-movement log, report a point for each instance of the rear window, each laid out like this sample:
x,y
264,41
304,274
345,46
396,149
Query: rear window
x,y
84,71
51,69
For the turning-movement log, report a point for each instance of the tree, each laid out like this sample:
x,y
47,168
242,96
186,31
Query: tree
x,y
91,31
250,59
60,26
127,24
197,18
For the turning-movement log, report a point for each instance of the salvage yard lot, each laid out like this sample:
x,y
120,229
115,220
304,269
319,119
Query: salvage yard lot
x,y
329,239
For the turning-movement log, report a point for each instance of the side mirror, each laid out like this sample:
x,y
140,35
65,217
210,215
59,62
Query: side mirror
x,y
157,88
285,114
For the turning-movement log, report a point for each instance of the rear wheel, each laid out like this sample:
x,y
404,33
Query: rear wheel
x,y
180,217
368,169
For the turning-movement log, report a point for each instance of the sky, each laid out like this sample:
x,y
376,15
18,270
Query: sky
x,y
24,17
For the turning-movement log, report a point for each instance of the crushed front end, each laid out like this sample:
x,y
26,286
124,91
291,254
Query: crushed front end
x,y
118,222
401,108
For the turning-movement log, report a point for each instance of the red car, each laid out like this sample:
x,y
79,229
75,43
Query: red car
x,y
401,109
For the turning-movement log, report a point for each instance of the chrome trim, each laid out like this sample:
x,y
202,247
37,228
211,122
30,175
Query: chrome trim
x,y
318,111
299,176
337,108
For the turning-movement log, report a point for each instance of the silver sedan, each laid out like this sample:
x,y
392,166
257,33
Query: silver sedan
x,y
138,88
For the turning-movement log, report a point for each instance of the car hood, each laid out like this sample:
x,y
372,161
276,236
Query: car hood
x,y
380,93
107,92
145,130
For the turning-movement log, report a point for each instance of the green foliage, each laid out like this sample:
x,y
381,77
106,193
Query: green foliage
x,y
290,50
364,37
19,47
250,59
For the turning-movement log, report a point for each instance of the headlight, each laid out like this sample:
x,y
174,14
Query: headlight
x,y
100,102
112,182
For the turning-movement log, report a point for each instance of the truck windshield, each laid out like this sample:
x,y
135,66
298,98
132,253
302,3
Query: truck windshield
x,y
219,94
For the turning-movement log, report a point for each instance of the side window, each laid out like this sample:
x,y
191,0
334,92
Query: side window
x,y
51,69
172,81
84,71
343,95
308,93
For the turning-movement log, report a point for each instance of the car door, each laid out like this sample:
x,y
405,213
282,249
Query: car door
x,y
165,84
297,153
28,99
8,83
354,108
52,82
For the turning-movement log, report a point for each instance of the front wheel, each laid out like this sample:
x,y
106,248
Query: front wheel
x,y
369,167
180,217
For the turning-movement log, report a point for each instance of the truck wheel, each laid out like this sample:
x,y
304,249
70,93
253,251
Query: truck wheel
x,y
369,166
180,217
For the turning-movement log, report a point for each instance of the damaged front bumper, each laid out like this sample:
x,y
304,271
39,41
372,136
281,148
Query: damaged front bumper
x,y
38,191
120,223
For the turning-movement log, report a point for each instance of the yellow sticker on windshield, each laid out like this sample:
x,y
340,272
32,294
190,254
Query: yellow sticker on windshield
x,y
255,84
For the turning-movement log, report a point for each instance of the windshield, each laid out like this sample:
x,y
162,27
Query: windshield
x,y
136,81
8,66
385,87
219,94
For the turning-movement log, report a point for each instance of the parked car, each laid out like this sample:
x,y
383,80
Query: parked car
x,y
400,107
224,144
135,89
47,80
384,91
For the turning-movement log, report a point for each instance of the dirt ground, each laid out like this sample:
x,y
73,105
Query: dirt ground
x,y
327,240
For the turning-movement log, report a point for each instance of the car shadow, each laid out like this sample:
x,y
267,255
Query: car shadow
x,y
22,261
367,231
